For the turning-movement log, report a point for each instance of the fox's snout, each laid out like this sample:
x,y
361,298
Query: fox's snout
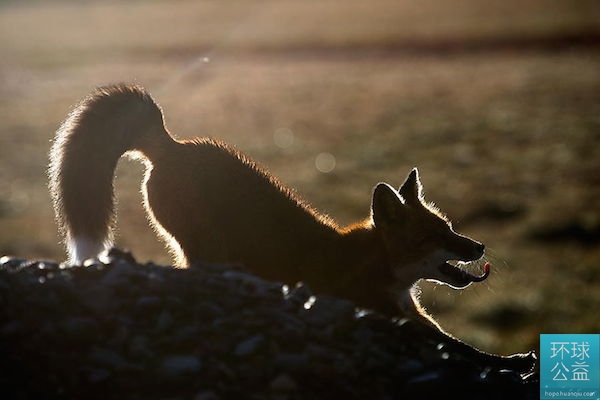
x,y
465,248
480,249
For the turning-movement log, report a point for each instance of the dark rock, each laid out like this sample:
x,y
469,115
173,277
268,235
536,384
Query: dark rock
x,y
299,295
292,362
107,358
149,303
249,346
503,377
328,311
118,274
80,328
11,328
208,395
117,329
115,254
164,321
97,375
283,383
181,365
9,263
140,347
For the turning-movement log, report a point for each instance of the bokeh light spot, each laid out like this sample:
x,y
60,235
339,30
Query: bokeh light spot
x,y
325,162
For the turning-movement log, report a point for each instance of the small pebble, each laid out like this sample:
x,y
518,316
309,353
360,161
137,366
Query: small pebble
x,y
283,383
208,395
248,346
176,366
107,358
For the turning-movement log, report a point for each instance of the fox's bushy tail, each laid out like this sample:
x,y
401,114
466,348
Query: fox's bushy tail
x,y
101,128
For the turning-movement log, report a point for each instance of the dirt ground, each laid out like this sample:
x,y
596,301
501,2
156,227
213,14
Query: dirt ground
x,y
498,104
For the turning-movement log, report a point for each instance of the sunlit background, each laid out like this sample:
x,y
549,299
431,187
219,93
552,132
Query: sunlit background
x,y
497,103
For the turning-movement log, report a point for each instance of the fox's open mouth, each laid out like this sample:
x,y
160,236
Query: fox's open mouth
x,y
459,278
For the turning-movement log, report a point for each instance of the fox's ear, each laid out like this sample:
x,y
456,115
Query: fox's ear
x,y
412,190
387,207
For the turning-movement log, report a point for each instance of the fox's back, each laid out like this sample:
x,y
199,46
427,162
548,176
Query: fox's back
x,y
234,211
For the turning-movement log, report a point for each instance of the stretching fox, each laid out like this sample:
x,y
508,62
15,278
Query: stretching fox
x,y
210,203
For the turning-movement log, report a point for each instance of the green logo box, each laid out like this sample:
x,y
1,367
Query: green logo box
x,y
570,366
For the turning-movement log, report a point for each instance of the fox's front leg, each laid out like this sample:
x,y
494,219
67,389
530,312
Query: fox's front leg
x,y
424,326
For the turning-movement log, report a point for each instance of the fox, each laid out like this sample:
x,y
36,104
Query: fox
x,y
210,203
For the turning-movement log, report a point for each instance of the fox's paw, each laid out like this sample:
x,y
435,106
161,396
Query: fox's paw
x,y
521,362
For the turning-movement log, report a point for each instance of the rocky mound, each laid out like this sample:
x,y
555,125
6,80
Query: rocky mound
x,y
121,330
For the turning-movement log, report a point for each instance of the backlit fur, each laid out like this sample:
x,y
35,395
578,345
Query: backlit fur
x,y
210,203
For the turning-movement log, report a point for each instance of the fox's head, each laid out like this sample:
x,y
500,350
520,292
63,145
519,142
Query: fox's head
x,y
419,239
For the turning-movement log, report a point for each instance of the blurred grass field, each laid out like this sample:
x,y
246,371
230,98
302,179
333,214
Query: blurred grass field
x,y
497,103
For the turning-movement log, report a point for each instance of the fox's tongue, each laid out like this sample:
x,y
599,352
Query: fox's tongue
x,y
461,278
